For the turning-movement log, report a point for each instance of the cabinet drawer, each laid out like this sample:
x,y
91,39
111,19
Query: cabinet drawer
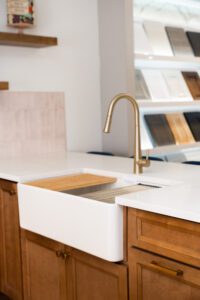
x,y
154,277
170,237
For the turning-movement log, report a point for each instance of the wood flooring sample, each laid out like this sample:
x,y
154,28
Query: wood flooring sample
x,y
180,129
194,38
193,82
179,41
159,129
193,119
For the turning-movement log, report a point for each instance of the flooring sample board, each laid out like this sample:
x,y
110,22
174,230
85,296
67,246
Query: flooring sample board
x,y
156,84
194,38
177,86
179,41
193,119
158,38
180,128
141,89
141,42
193,82
159,129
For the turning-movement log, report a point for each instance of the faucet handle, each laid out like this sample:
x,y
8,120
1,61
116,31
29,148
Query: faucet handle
x,y
145,162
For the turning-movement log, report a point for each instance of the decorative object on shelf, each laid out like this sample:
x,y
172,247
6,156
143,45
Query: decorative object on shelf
x,y
180,128
179,41
159,129
193,81
20,13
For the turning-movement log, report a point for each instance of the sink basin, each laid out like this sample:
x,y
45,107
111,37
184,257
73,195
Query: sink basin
x,y
108,194
86,218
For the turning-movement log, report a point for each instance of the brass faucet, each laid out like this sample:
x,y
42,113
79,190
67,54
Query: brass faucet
x,y
138,162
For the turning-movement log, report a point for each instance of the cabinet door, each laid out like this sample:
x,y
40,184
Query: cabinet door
x,y
154,277
10,251
43,268
96,279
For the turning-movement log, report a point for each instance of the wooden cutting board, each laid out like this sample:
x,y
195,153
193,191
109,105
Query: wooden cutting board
x,y
180,129
71,182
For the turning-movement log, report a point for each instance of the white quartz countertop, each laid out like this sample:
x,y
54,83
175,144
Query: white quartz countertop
x,y
27,168
179,201
175,201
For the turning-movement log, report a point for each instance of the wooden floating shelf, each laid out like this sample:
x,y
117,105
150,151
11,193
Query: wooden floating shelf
x,y
26,40
4,85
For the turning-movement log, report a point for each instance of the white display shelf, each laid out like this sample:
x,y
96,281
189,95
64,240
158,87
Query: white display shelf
x,y
170,152
177,153
166,62
174,105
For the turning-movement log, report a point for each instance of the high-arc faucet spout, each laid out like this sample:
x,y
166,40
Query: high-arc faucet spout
x,y
138,163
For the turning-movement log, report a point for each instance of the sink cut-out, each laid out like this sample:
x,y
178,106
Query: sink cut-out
x,y
106,194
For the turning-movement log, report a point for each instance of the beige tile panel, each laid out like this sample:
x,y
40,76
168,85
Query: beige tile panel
x,y
31,122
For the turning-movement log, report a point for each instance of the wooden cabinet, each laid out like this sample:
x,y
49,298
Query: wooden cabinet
x,y
153,277
43,268
171,237
10,252
163,257
54,271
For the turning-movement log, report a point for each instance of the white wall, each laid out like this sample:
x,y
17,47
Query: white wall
x,y
117,71
72,67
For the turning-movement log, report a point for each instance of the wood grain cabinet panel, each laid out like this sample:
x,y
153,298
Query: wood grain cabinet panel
x,y
52,271
167,236
43,268
97,279
10,250
152,277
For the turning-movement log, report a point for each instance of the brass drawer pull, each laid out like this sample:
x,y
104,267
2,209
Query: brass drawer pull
x,y
166,270
63,255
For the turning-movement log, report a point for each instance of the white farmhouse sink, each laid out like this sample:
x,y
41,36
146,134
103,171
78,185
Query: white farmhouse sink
x,y
80,221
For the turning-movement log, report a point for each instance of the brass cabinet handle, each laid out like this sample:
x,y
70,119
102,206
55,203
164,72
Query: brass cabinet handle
x,y
63,255
10,191
165,270
59,253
